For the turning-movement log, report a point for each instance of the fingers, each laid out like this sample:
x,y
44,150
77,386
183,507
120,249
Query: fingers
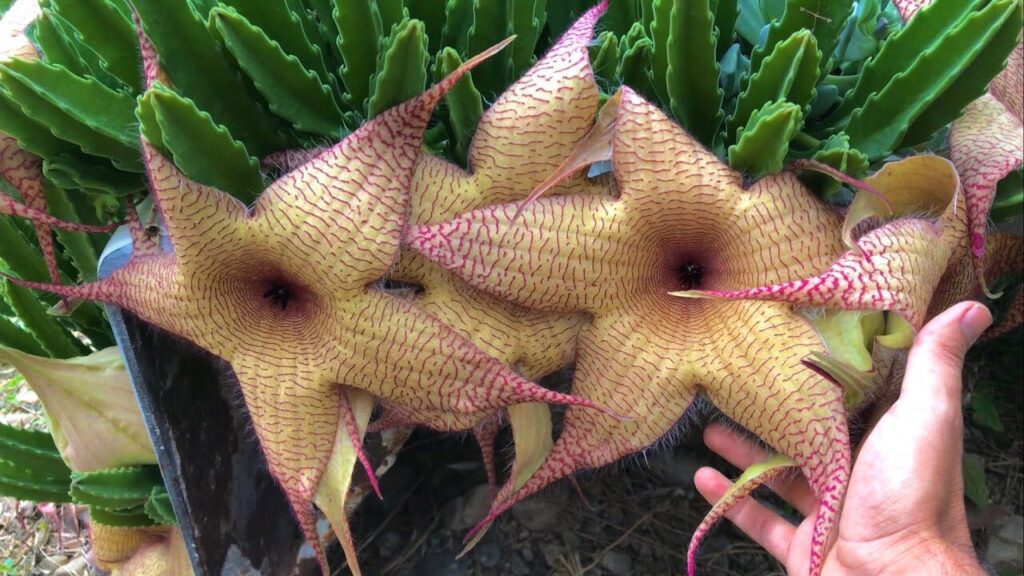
x,y
763,526
934,368
742,453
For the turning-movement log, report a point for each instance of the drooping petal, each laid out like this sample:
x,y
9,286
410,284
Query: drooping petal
x,y
986,144
333,489
751,479
1004,254
13,41
896,266
90,407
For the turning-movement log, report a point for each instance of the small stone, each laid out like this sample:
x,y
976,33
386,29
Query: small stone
x,y
466,510
439,564
545,512
390,542
515,566
571,540
1006,544
488,554
551,552
527,554
78,566
617,562
50,563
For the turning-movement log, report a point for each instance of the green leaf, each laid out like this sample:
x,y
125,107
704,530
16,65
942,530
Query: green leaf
x,y
30,134
458,21
283,24
14,336
762,145
726,14
970,84
692,77
54,337
201,72
92,175
106,111
128,518
291,91
490,26
836,152
823,18
975,484
64,126
924,32
528,19
1009,200
20,256
53,43
881,124
76,244
202,149
32,450
26,484
118,488
789,72
983,411
391,13
605,57
465,105
401,67
432,14
636,49
158,507
620,16
106,31
661,25
359,36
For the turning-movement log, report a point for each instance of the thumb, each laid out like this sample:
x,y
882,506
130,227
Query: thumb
x,y
935,366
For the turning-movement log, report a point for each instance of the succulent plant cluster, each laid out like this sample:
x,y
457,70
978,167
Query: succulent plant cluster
x,y
352,192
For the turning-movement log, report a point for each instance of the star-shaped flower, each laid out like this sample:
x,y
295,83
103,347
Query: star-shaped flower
x,y
285,291
682,222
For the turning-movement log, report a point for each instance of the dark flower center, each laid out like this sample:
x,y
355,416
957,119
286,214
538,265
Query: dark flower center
x,y
690,274
278,295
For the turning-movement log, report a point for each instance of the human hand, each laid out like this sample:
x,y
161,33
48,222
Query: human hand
x,y
904,509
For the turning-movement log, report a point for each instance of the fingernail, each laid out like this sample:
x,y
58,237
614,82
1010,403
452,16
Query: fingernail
x,y
975,321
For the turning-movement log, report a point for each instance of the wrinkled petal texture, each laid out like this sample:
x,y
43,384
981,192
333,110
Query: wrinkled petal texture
x,y
519,141
647,354
283,291
987,143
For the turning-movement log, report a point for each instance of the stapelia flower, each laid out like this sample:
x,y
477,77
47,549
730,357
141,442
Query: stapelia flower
x,y
682,221
519,141
285,292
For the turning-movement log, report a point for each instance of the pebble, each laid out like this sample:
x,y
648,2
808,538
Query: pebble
x,y
488,554
79,566
465,511
390,542
617,562
571,540
545,512
1006,545
515,566
527,554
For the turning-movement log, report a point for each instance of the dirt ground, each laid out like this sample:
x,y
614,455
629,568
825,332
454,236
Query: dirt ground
x,y
636,518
